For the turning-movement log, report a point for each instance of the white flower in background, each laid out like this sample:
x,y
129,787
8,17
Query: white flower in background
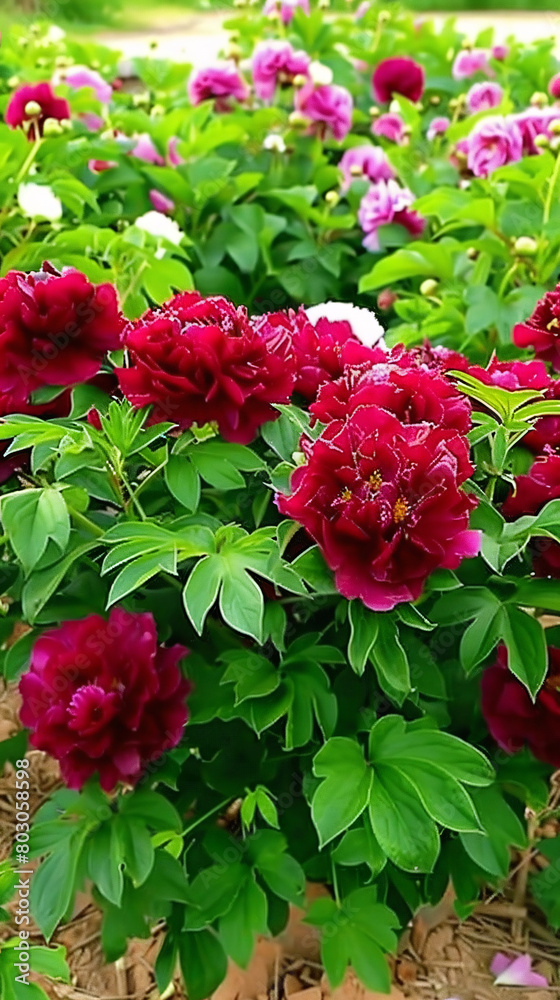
x,y
55,34
160,225
275,143
37,201
365,324
320,75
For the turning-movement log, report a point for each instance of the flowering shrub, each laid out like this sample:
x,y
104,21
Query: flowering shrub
x,y
279,573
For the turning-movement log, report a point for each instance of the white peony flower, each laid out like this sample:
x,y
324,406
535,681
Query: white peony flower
x,y
365,324
55,34
275,143
38,201
160,225
321,75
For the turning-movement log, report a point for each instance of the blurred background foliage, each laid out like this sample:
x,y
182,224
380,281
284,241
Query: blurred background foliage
x,y
153,13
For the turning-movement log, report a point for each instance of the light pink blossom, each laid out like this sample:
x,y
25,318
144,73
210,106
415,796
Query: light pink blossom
x,y
471,61
437,126
145,150
329,107
484,96
275,62
365,161
493,143
387,202
500,52
77,77
286,8
220,83
390,126
531,123
160,201
515,971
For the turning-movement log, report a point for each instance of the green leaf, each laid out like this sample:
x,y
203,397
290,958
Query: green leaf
x,y
30,519
151,807
526,645
137,848
138,572
42,584
428,260
203,963
50,962
490,850
363,633
106,862
400,822
183,481
242,603
201,589
53,884
344,794
390,660
246,918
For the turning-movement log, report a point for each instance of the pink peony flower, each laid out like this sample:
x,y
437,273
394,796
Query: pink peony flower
x,y
541,330
146,150
471,61
92,122
286,8
220,83
437,126
77,77
365,161
493,143
387,202
499,52
50,106
173,157
276,62
390,126
554,86
160,202
399,75
362,10
329,107
484,96
102,697
531,123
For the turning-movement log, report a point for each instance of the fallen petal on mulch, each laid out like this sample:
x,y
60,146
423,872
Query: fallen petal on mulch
x,y
515,971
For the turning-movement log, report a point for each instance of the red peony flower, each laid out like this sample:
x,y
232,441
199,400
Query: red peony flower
x,y
513,375
531,493
542,330
413,395
320,350
513,719
198,360
54,329
35,103
382,501
399,75
103,697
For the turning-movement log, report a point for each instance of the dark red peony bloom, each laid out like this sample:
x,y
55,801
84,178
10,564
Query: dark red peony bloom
x,y
542,330
513,375
439,359
40,99
198,360
320,350
512,718
382,501
399,75
103,697
413,395
54,329
531,493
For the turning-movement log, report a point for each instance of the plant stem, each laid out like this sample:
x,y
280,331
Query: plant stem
x,y
84,522
551,189
132,494
201,819
506,279
335,882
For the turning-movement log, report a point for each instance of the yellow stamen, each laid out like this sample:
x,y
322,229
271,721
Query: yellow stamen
x,y
375,480
553,323
400,510
346,494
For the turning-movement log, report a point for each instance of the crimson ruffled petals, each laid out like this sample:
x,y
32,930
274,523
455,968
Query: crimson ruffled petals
x,y
102,697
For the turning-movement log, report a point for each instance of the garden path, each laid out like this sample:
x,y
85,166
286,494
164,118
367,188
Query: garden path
x,y
198,37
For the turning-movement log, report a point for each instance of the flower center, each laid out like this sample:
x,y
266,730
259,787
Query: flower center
x,y
400,510
346,494
553,324
375,480
553,683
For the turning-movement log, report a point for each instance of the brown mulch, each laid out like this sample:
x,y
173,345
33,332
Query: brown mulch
x,y
439,957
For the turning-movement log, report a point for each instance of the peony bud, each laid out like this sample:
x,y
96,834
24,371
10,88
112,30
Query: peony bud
x,y
299,80
52,127
297,120
541,141
356,170
14,82
429,287
332,198
435,100
386,299
472,253
374,112
525,246
555,143
383,17
467,46
32,109
233,51
141,100
274,143
554,126
539,99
